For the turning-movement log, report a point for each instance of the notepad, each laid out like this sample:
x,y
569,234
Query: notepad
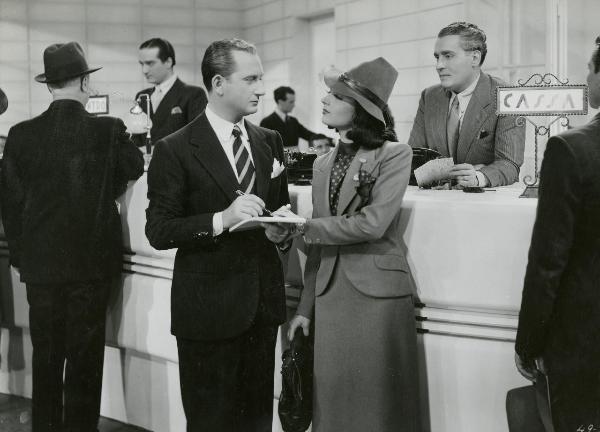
x,y
433,171
255,222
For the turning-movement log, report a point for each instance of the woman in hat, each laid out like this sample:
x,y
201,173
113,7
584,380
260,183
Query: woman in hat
x,y
358,287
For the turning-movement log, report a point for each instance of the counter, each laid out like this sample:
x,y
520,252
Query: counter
x,y
467,253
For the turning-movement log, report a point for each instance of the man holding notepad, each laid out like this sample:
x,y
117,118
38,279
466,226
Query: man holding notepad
x,y
227,297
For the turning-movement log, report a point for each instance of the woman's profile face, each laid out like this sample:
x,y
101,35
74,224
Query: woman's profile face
x,y
338,111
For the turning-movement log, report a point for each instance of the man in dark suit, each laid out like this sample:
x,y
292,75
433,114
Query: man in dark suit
x,y
560,309
458,117
227,297
173,103
61,174
281,121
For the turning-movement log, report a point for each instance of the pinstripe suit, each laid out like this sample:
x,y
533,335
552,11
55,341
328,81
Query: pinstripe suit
x,y
484,137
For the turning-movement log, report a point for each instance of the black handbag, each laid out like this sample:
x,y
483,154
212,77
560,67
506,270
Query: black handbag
x,y
295,402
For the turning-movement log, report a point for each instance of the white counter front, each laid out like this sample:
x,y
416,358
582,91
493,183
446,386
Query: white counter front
x,y
467,253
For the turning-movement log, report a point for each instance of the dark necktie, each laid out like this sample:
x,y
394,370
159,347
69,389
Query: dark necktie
x,y
453,127
243,163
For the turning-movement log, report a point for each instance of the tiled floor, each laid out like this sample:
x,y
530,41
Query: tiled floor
x,y
15,416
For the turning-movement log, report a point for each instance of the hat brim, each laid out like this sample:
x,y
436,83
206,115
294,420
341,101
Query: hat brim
x,y
332,80
41,78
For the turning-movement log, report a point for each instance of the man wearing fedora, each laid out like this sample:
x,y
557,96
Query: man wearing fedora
x,y
62,172
458,117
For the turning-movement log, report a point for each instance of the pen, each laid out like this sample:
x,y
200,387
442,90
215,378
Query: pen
x,y
240,193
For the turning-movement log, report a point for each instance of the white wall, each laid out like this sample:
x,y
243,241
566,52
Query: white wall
x,y
110,32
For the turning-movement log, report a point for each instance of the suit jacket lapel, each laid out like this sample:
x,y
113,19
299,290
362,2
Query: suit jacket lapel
x,y
348,189
321,188
476,113
263,159
438,122
209,152
167,102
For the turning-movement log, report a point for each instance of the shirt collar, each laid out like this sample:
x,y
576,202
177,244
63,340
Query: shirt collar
x,y
280,113
222,127
166,85
469,90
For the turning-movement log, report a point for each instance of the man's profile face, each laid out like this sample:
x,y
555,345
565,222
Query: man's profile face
x,y
456,67
244,87
288,104
153,68
593,82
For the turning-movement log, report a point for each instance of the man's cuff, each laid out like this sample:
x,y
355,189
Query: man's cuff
x,y
482,180
217,224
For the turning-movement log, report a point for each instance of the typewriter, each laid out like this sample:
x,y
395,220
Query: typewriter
x,y
299,166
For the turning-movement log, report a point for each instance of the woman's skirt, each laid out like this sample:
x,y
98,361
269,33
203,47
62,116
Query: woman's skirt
x,y
366,376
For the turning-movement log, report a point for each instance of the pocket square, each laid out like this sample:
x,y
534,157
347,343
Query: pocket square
x,y
277,168
483,133
176,110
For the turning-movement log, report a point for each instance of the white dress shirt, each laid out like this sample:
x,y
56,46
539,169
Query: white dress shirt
x,y
281,114
464,97
160,90
223,129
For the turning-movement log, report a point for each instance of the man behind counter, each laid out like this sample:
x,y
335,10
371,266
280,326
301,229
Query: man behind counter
x,y
457,117
173,104
288,127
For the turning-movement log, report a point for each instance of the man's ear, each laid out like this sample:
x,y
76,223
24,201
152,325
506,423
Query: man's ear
x,y
218,82
476,58
85,83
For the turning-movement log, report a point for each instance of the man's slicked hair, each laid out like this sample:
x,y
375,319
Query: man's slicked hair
x,y
281,93
165,49
218,59
472,37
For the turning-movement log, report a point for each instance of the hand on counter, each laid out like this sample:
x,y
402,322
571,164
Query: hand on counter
x,y
465,175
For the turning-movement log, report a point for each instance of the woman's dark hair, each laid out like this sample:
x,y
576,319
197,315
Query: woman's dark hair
x,y
369,132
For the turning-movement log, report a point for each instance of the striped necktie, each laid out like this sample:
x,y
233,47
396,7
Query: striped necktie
x,y
453,128
243,164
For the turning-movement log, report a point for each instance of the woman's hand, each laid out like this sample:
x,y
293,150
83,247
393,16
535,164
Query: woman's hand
x,y
298,321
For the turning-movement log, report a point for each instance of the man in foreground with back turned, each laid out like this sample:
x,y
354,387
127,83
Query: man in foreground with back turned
x,y
558,342
227,297
61,174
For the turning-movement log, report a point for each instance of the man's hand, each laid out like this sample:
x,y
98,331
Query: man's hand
x,y
244,207
527,370
298,321
277,233
464,174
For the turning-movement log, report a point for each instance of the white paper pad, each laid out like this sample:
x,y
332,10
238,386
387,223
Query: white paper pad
x,y
255,222
434,171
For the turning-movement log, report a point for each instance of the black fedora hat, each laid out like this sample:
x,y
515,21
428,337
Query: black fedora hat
x,y
64,61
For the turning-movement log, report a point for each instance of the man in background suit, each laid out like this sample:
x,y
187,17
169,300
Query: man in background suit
x,y
288,127
560,309
458,117
227,298
61,174
173,103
